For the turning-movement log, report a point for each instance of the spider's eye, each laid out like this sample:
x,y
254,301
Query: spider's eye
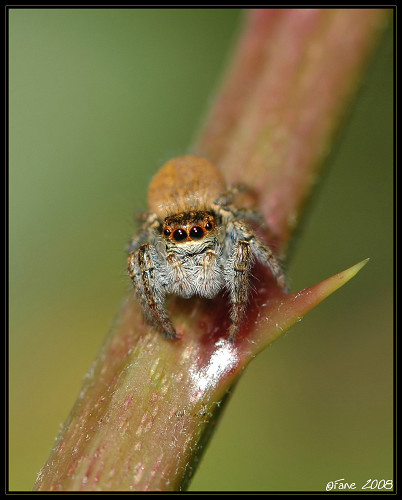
x,y
208,226
167,232
180,235
196,232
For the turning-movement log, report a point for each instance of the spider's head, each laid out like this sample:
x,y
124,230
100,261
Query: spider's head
x,y
189,226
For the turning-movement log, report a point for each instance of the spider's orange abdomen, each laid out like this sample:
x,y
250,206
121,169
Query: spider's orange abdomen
x,y
187,182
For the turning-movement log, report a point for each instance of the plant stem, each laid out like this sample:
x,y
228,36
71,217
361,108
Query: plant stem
x,y
149,404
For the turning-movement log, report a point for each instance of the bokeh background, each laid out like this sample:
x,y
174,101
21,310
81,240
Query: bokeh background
x,y
99,99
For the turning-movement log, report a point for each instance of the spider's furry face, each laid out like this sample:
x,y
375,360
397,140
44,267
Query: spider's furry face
x,y
192,248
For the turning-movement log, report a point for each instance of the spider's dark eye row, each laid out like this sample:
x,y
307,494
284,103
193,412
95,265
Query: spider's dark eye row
x,y
180,235
196,233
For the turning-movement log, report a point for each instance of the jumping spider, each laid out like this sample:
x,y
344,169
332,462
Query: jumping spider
x,y
194,241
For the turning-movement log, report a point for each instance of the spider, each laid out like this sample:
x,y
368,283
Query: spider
x,y
195,242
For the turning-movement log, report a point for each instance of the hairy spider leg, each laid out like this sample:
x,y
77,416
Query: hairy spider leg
x,y
261,251
141,266
238,272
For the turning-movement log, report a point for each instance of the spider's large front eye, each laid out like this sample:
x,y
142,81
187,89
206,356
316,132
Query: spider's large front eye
x,y
180,235
196,233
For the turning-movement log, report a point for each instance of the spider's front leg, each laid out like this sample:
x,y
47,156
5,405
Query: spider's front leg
x,y
237,270
142,266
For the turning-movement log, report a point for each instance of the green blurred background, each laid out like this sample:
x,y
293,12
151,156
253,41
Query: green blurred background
x,y
98,100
